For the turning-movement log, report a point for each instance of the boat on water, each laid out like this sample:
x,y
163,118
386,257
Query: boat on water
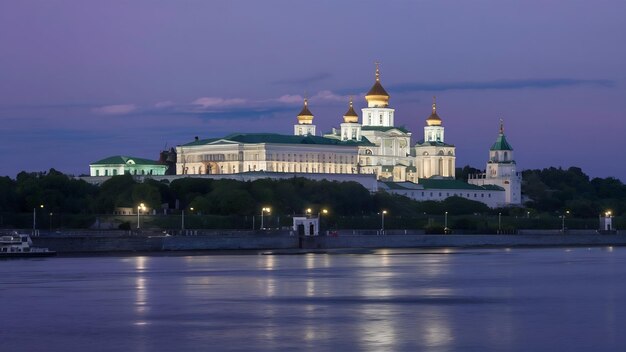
x,y
18,245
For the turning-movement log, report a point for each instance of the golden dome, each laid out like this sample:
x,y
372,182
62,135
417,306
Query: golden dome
x,y
350,116
305,117
377,95
434,119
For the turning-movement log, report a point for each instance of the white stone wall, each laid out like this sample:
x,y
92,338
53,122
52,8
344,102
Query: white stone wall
x,y
491,198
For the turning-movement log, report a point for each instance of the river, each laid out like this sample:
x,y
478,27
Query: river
x,y
553,299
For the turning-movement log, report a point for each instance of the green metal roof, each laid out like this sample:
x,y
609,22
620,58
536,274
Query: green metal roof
x,y
421,143
430,183
400,185
501,143
280,139
121,159
384,128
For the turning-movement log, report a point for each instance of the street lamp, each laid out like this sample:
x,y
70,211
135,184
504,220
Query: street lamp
x,y
382,222
140,207
445,222
319,216
308,212
50,221
263,211
499,222
563,221
35,219
182,225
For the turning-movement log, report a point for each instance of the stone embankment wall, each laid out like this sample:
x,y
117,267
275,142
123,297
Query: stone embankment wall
x,y
283,240
433,241
162,243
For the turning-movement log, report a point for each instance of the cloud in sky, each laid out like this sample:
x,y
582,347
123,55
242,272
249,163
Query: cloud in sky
x,y
290,99
505,84
327,95
208,102
121,109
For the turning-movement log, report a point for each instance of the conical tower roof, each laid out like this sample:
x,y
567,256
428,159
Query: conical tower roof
x,y
434,119
501,142
305,117
350,116
377,95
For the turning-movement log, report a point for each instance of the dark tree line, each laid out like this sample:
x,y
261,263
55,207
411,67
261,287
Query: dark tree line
x,y
64,194
556,190
549,191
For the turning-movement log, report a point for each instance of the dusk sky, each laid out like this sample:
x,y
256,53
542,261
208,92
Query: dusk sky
x,y
84,80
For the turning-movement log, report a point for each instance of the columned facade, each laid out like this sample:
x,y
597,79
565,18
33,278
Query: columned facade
x,y
434,157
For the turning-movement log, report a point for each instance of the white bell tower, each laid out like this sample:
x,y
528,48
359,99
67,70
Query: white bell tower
x,y
377,112
351,128
305,124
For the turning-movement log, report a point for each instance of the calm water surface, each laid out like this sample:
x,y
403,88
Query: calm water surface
x,y
392,300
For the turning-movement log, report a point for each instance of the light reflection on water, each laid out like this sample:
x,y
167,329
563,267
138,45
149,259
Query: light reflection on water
x,y
393,300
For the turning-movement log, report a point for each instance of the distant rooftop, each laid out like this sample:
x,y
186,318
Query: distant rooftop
x,y
121,159
279,139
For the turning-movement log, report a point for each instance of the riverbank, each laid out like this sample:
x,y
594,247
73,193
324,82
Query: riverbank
x,y
104,244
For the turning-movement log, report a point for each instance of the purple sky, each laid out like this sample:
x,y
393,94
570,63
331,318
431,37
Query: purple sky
x,y
83,80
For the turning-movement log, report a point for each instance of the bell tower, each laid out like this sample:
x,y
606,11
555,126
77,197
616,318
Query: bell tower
x,y
305,124
378,112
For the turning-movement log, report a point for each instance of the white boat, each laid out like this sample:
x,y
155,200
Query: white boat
x,y
19,245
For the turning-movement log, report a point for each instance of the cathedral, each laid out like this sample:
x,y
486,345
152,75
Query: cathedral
x,y
370,145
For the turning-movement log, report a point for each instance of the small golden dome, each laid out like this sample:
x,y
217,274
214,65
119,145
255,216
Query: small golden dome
x,y
351,116
305,117
434,119
377,95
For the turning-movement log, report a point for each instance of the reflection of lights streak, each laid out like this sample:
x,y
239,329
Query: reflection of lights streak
x,y
141,290
310,287
310,261
140,263
269,262
437,332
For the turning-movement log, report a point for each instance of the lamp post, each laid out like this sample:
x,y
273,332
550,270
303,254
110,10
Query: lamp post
x,y
319,219
445,222
563,221
499,222
263,210
308,212
382,222
140,207
35,219
182,224
50,221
